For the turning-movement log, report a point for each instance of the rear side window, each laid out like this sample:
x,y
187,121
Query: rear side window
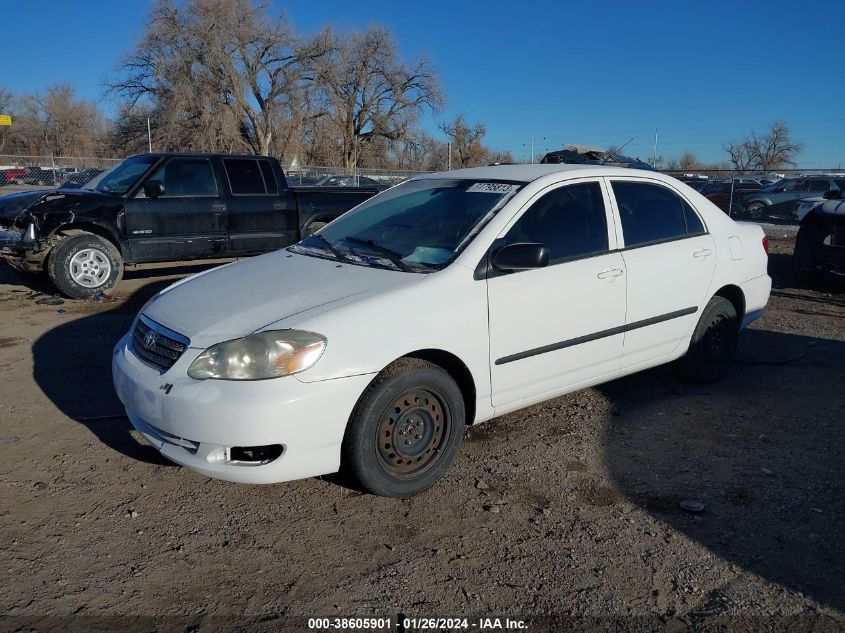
x,y
571,221
245,177
269,177
186,177
651,213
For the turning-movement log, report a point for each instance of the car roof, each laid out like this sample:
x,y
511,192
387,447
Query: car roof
x,y
529,173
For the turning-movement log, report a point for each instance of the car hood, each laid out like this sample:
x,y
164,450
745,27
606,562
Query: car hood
x,y
242,297
14,204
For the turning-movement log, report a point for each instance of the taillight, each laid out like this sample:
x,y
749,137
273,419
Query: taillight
x,y
710,196
766,244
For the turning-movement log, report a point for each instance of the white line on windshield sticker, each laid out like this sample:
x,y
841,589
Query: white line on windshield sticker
x,y
492,187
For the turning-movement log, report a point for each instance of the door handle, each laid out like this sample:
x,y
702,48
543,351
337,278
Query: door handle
x,y
218,207
705,252
610,274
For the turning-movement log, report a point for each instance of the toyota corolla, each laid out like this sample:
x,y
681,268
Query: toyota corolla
x,y
445,301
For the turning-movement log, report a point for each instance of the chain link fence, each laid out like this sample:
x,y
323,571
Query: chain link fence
x,y
23,173
764,197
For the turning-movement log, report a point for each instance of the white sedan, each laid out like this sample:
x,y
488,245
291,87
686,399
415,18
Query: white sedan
x,y
447,300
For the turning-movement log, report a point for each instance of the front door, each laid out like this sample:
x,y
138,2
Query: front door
x,y
187,221
670,258
555,328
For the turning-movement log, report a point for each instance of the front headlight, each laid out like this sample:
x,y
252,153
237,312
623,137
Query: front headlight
x,y
259,356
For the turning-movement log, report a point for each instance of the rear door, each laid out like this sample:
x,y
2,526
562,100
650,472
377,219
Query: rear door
x,y
187,221
670,259
558,327
261,212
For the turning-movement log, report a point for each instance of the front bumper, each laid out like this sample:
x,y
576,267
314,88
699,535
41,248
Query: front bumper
x,y
196,423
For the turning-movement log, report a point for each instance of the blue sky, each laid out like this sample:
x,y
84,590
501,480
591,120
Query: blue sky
x,y
558,72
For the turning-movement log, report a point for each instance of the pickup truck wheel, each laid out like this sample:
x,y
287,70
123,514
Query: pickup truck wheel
x,y
314,227
713,343
405,429
84,264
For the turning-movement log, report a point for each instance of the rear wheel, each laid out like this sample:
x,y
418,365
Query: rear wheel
x,y
713,343
405,429
756,210
83,264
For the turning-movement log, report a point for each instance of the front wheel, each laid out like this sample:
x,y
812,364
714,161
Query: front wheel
x,y
713,343
83,264
405,429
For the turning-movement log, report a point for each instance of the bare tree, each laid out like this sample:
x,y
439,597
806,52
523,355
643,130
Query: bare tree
x,y
467,148
56,122
689,162
6,101
221,68
368,93
739,155
775,149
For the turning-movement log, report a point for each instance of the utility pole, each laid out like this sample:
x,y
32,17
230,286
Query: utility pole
x,y
149,135
532,150
654,160
450,155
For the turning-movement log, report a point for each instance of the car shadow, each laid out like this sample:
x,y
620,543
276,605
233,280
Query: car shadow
x,y
72,367
771,483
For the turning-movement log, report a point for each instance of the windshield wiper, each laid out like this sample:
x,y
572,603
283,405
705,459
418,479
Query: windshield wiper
x,y
394,257
338,254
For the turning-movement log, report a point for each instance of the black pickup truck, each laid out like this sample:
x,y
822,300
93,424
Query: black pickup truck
x,y
162,207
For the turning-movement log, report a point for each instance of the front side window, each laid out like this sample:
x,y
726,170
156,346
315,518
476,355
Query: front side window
x,y
184,177
652,213
571,221
244,176
122,177
419,226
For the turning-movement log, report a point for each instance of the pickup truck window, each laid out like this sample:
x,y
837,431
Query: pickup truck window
x,y
187,177
123,177
246,177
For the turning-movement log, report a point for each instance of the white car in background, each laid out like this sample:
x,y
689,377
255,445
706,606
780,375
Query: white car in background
x,y
447,300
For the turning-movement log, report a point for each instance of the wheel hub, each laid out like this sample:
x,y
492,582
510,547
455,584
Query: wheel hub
x,y
90,268
411,432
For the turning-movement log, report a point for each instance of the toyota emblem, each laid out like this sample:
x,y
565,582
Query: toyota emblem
x,y
149,339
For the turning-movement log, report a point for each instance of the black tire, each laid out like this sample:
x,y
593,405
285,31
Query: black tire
x,y
713,343
314,227
755,210
64,270
405,429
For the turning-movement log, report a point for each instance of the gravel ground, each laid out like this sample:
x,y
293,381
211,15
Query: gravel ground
x,y
566,512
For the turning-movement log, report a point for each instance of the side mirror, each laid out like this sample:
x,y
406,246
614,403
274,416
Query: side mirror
x,y
521,256
833,194
153,188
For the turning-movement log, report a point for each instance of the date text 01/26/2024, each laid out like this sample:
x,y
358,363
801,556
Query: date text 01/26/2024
x,y
403,623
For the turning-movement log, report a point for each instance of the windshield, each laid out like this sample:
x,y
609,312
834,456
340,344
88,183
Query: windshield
x,y
418,226
120,178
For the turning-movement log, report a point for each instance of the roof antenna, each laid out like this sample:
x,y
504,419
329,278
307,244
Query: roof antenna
x,y
609,154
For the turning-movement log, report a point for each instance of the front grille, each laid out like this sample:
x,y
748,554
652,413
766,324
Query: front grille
x,y
156,344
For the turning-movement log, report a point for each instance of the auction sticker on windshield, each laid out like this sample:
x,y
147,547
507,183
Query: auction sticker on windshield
x,y
492,187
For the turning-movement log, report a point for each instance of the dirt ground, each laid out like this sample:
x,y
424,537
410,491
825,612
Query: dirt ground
x,y
560,515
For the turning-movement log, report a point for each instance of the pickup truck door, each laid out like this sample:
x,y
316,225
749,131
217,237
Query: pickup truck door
x,y
261,210
187,221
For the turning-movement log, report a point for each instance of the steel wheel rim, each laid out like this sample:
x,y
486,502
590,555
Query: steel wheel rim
x,y
90,268
412,432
